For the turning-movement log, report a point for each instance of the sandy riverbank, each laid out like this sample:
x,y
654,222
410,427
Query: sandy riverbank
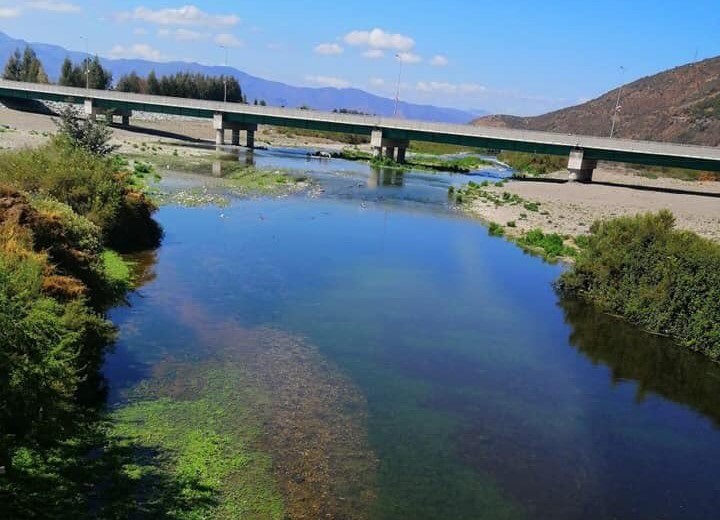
x,y
27,129
565,208
570,208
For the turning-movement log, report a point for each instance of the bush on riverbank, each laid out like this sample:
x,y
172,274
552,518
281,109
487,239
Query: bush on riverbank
x,y
533,163
94,187
664,280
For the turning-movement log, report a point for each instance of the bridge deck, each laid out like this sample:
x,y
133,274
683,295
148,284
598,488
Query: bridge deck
x,y
600,148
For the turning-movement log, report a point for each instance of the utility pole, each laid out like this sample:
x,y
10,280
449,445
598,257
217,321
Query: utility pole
x,y
225,74
617,103
87,62
397,93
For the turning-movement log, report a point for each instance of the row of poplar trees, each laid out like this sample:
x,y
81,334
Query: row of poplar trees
x,y
27,67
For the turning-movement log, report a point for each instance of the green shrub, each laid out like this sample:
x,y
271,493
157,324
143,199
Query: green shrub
x,y
495,230
532,206
47,353
664,280
92,186
551,245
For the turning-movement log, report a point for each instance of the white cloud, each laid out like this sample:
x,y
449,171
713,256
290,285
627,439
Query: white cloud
x,y
329,49
228,40
185,15
377,82
140,31
439,61
137,50
274,46
183,35
379,39
54,6
374,54
328,81
449,88
409,57
9,12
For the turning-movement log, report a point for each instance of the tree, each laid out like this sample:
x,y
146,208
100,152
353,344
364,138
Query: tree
x,y
26,67
12,67
85,133
131,83
153,86
89,72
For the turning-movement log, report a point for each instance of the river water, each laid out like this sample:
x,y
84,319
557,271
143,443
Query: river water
x,y
483,394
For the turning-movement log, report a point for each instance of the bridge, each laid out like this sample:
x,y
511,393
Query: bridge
x,y
388,136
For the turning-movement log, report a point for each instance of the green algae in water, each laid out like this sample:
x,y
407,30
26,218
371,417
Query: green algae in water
x,y
207,445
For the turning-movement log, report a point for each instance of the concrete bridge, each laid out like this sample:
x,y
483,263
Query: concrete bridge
x,y
387,135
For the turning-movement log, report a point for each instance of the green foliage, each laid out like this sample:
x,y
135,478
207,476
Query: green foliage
x,y
91,185
117,272
85,133
495,230
26,67
47,350
532,206
89,72
662,279
533,163
184,85
550,245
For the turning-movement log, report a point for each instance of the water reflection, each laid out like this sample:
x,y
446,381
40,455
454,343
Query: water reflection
x,y
385,177
654,362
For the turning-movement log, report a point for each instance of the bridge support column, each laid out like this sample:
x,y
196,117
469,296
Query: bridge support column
x,y
580,168
126,119
220,124
378,143
90,109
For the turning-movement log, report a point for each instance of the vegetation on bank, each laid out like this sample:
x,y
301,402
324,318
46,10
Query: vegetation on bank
x,y
463,164
657,277
534,164
62,206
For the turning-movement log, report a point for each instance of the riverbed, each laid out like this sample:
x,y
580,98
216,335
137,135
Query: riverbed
x,y
384,357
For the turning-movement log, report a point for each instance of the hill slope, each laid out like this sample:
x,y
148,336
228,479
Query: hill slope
x,y
679,105
275,93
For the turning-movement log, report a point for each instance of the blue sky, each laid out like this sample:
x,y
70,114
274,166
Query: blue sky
x,y
512,56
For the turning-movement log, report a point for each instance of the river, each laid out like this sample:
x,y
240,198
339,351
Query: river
x,y
413,366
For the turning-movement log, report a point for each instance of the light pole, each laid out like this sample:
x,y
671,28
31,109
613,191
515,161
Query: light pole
x,y
397,93
87,62
225,74
617,102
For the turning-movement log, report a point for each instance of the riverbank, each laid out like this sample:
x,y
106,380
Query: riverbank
x,y
571,208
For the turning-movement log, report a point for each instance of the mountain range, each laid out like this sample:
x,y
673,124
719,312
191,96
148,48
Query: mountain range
x,y
273,92
680,105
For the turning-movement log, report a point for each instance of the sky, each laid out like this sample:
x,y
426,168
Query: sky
x,y
520,57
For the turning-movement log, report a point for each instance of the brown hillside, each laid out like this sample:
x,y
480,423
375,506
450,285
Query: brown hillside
x,y
681,105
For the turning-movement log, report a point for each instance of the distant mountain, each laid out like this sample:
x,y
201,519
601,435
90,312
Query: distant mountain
x,y
273,92
680,105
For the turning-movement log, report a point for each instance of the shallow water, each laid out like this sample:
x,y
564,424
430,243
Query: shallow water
x,y
486,396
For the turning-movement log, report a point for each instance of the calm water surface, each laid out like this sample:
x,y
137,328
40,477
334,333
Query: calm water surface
x,y
488,397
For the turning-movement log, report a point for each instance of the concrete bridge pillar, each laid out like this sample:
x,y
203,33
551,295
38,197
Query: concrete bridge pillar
x,y
220,124
90,109
126,119
580,168
378,143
